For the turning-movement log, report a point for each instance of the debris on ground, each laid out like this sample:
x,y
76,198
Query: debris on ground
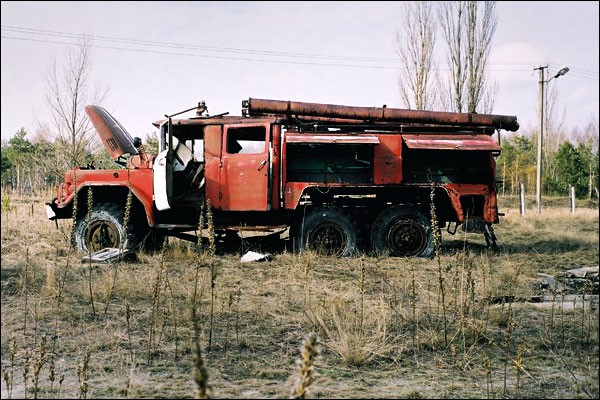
x,y
575,285
583,280
110,255
252,256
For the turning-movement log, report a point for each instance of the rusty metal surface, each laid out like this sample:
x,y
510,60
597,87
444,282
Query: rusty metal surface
x,y
332,138
221,120
490,207
387,166
451,142
293,108
115,138
244,179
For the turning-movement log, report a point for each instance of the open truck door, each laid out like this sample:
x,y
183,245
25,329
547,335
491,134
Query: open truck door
x,y
175,158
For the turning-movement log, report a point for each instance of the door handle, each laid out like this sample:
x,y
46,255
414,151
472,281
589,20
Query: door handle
x,y
262,164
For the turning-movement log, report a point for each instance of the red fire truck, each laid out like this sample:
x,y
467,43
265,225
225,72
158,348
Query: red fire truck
x,y
334,179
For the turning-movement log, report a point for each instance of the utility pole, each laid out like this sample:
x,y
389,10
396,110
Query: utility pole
x,y
538,175
538,181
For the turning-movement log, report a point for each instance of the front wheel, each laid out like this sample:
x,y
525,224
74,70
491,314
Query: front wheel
x,y
327,231
402,231
99,229
103,228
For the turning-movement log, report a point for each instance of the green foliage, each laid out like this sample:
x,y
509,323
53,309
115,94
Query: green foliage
x,y
151,145
6,165
572,166
6,203
27,164
19,143
516,163
101,160
590,159
15,155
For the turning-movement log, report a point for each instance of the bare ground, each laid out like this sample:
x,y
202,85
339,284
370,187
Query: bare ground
x,y
386,327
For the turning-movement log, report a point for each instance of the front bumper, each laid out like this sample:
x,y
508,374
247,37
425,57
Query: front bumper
x,y
54,212
50,212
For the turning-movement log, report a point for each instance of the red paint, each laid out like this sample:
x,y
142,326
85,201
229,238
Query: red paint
x,y
245,160
451,142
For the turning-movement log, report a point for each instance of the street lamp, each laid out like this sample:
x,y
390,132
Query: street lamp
x,y
538,182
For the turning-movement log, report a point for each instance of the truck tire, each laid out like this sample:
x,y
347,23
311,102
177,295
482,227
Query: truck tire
x,y
402,232
327,231
104,230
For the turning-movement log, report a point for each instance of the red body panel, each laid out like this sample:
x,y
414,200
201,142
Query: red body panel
x,y
275,166
243,183
212,163
115,138
139,180
388,160
451,142
332,138
490,208
293,192
240,182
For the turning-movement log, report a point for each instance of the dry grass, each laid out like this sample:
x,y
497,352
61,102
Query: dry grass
x,y
170,325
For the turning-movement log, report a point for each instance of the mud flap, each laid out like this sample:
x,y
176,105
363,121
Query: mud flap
x,y
490,236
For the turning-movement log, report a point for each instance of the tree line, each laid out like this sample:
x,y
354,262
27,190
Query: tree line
x,y
466,29
569,163
37,165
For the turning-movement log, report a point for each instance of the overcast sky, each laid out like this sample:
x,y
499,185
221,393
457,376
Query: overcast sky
x,y
323,52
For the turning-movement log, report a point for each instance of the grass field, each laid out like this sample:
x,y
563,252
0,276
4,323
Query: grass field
x,y
189,323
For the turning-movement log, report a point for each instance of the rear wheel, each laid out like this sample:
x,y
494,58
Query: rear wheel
x,y
402,232
327,231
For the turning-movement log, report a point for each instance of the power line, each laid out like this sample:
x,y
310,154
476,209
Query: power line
x,y
577,72
192,47
229,57
205,55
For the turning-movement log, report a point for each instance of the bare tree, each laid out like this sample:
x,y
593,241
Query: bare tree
x,y
554,131
415,49
54,163
70,90
481,27
468,28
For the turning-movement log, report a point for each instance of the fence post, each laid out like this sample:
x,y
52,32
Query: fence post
x,y
522,198
572,189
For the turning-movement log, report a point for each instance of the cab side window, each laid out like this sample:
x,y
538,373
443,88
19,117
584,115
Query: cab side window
x,y
250,140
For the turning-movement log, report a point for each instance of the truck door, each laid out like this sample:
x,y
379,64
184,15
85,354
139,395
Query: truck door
x,y
163,175
245,176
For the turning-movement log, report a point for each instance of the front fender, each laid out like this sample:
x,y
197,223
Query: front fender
x,y
106,185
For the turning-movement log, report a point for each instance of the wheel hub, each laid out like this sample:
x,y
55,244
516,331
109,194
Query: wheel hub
x,y
328,239
406,238
101,235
